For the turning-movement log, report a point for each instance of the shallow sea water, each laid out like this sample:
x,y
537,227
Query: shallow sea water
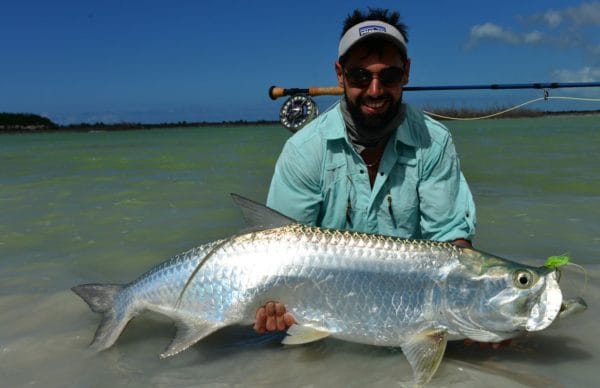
x,y
107,206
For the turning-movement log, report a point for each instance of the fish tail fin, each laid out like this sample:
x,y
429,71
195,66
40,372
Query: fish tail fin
x,y
102,298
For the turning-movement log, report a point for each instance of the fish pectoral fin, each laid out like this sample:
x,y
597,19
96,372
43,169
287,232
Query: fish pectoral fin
x,y
188,333
297,335
424,352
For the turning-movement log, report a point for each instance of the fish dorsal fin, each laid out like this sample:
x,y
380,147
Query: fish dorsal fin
x,y
259,216
424,351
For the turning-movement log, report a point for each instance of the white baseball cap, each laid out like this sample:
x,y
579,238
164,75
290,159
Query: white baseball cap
x,y
370,29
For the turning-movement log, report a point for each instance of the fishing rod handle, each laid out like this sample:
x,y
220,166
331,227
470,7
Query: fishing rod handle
x,y
276,92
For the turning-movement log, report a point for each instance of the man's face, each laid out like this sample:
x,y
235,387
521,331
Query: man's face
x,y
376,100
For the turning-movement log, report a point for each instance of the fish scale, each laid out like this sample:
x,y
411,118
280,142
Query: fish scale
x,y
353,286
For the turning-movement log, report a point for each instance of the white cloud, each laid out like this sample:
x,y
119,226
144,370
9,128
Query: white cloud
x,y
533,37
552,18
585,74
584,14
571,31
580,15
491,31
570,27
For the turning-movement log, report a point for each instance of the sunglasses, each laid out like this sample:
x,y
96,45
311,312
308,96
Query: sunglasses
x,y
359,77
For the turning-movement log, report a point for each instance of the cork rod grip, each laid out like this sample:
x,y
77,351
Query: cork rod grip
x,y
275,92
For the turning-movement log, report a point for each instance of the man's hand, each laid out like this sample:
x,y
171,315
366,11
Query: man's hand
x,y
272,317
461,242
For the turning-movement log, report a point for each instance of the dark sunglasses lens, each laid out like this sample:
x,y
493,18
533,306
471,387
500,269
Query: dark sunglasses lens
x,y
391,76
359,77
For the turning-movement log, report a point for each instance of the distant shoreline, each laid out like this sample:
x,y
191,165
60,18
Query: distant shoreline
x,y
86,127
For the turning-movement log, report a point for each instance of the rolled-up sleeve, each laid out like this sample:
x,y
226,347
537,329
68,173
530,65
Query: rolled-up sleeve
x,y
295,187
446,203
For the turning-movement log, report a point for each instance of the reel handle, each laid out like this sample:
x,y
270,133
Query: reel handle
x,y
276,92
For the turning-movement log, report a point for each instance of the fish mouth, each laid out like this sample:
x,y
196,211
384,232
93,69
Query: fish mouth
x,y
547,307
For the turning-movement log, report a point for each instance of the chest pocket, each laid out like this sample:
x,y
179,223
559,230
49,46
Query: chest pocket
x,y
399,207
341,208
334,191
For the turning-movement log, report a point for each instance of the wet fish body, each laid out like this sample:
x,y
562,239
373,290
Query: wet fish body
x,y
353,286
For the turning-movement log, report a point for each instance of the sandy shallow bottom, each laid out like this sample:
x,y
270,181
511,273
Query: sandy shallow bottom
x,y
44,342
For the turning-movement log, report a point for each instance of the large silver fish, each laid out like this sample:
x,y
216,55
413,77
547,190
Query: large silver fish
x,y
353,286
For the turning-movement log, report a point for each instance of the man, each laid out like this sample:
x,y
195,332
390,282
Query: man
x,y
371,163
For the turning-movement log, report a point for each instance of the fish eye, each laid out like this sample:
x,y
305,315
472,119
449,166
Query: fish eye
x,y
523,279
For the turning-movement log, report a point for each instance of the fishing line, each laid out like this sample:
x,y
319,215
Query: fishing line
x,y
486,116
545,98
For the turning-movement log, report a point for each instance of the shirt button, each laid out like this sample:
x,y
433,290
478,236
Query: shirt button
x,y
362,171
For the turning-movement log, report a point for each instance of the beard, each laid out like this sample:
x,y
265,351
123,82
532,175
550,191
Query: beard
x,y
373,123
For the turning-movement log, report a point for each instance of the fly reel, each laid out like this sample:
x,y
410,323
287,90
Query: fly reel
x,y
297,111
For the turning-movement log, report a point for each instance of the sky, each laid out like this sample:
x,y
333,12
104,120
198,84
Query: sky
x,y
157,61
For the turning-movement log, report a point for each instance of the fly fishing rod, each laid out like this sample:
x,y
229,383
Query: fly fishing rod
x,y
299,109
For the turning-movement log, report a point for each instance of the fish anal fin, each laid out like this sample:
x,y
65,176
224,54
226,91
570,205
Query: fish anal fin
x,y
424,352
188,333
298,335
109,329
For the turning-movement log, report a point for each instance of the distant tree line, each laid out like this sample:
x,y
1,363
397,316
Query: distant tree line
x,y
180,124
481,112
25,122
492,112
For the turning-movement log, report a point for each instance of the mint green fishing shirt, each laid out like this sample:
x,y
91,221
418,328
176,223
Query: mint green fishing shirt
x,y
419,192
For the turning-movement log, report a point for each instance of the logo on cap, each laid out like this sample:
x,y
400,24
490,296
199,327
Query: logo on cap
x,y
370,29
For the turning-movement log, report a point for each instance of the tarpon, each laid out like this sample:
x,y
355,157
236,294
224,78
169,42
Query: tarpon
x,y
357,287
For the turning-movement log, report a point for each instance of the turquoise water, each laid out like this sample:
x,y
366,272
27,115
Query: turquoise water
x,y
82,200
536,184
106,206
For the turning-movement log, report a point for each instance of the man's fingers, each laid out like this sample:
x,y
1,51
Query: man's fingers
x,y
280,323
288,319
272,317
270,307
271,323
284,319
260,320
279,309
